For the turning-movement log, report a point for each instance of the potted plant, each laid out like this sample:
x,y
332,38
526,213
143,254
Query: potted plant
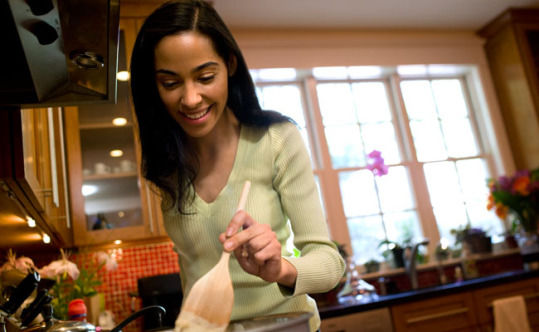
x,y
474,239
372,266
394,252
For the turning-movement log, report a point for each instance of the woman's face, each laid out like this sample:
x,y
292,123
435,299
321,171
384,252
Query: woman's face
x,y
192,80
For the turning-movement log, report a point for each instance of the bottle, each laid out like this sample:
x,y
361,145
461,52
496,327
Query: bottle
x,y
76,310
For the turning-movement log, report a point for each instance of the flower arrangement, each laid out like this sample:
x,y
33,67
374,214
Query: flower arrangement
x,y
518,195
73,282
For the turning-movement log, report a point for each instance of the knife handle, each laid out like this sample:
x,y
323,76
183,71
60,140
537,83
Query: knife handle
x,y
31,312
21,292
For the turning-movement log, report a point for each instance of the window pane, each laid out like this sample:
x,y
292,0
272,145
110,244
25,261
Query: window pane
x,y
443,184
345,147
449,98
473,179
381,137
428,140
449,217
366,233
372,102
330,73
459,138
277,74
394,190
403,226
358,193
418,100
285,99
336,103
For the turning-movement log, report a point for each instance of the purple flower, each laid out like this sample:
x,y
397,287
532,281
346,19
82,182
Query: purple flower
x,y
505,183
376,163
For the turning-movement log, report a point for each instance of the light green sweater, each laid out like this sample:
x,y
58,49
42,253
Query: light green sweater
x,y
282,187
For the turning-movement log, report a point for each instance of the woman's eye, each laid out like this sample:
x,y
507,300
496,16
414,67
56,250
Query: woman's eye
x,y
168,84
206,79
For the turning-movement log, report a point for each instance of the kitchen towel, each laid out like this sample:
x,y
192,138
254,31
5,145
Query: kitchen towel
x,y
510,315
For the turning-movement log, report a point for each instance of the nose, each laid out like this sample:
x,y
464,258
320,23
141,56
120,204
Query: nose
x,y
191,97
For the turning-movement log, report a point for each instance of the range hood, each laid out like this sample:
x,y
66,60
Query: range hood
x,y
58,52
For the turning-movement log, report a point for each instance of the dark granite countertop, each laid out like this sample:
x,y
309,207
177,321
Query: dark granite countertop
x,y
425,293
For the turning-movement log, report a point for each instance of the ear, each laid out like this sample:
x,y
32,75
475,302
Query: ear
x,y
232,64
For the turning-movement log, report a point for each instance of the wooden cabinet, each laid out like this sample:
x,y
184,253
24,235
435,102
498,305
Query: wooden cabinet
x,y
446,313
377,320
465,311
36,175
512,50
110,199
483,298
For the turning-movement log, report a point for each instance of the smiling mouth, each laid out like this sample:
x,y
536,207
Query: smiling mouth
x,y
196,116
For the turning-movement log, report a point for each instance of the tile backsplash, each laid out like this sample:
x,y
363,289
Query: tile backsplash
x,y
120,284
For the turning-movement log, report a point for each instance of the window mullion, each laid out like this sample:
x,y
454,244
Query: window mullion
x,y
417,176
329,178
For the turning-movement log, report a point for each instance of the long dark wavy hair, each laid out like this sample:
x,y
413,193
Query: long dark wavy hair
x,y
167,160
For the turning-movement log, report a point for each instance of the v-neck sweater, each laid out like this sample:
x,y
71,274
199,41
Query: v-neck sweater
x,y
276,162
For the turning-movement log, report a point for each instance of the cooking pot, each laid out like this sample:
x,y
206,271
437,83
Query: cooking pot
x,y
291,322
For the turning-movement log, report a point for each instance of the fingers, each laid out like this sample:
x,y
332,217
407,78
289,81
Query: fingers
x,y
239,220
252,236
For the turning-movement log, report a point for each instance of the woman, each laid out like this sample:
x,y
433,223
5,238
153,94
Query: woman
x,y
203,134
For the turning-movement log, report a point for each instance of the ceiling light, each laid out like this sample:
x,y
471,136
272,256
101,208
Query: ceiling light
x,y
116,153
119,121
46,238
123,76
31,222
88,189
118,242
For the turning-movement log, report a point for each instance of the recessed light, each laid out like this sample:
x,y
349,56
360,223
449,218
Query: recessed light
x,y
118,242
116,153
46,238
31,222
119,121
123,76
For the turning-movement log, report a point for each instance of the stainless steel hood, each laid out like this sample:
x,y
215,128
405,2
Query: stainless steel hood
x,y
58,52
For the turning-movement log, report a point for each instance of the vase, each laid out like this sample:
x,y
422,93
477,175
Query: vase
x,y
528,242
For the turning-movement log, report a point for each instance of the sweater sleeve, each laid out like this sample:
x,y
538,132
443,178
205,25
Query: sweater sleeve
x,y
320,265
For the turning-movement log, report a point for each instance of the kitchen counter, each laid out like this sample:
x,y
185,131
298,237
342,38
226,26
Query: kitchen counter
x,y
424,293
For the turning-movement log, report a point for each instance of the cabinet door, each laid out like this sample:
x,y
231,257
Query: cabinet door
x,y
44,167
529,289
377,320
110,199
434,314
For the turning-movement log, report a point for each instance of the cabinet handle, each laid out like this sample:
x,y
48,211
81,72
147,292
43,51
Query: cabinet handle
x,y
52,149
437,315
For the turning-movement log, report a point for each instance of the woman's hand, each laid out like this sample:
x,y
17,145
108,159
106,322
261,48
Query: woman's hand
x,y
257,250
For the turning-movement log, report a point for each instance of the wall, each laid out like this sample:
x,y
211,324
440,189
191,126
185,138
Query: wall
x,y
133,263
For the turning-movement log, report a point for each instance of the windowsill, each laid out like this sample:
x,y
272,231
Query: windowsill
x,y
447,262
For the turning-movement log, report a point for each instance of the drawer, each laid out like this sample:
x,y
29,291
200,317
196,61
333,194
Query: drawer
x,y
447,313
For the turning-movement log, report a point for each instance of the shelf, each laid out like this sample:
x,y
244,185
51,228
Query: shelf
x,y
109,176
102,125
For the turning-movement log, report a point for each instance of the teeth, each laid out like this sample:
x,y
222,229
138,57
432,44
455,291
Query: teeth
x,y
196,116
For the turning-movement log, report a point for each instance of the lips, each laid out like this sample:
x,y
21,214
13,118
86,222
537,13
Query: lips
x,y
194,116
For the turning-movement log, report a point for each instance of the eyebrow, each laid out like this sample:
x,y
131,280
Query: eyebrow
x,y
197,68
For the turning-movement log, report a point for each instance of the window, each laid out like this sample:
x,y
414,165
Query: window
x,y
421,120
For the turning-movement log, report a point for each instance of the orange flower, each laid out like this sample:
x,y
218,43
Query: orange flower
x,y
521,185
501,210
490,203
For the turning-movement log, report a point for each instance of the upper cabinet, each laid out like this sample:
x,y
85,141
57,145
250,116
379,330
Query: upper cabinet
x,y
110,199
33,173
512,49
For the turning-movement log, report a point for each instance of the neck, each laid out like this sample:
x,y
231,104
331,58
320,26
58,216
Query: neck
x,y
225,133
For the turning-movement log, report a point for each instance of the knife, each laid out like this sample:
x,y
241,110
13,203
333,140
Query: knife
x,y
21,293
